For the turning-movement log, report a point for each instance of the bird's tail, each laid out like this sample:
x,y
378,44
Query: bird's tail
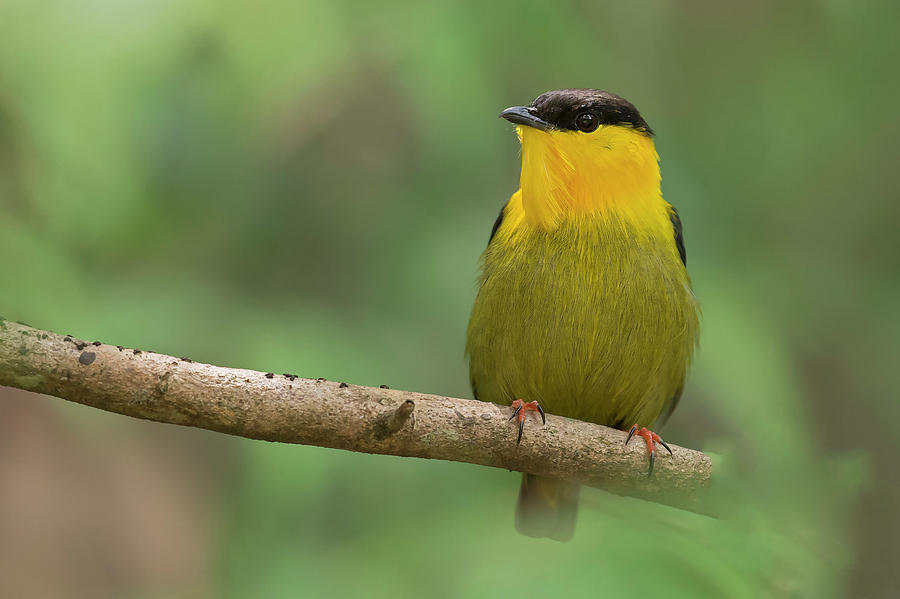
x,y
547,508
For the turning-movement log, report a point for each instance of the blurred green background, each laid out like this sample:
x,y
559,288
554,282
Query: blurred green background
x,y
306,187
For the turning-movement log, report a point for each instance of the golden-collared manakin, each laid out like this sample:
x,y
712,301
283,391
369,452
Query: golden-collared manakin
x,y
584,304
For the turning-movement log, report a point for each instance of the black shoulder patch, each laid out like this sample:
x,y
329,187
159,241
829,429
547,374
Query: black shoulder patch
x,y
497,224
679,235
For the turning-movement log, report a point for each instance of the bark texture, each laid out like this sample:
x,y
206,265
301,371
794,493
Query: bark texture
x,y
289,409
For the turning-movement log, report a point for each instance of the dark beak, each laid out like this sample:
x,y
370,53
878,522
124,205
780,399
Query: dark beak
x,y
523,115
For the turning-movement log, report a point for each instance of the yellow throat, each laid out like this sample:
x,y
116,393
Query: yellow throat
x,y
610,172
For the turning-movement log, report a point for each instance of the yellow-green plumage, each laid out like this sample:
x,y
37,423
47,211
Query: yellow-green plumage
x,y
584,303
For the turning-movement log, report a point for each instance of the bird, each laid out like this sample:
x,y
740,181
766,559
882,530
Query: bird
x,y
584,306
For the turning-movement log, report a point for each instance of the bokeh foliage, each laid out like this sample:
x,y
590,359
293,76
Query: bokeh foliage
x,y
306,186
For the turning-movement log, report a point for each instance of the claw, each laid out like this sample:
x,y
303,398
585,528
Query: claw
x,y
519,409
651,439
631,434
666,446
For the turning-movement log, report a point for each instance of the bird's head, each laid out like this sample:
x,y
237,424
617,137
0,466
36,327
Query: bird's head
x,y
582,150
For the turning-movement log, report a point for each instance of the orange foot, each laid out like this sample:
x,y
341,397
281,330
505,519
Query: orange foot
x,y
651,438
519,408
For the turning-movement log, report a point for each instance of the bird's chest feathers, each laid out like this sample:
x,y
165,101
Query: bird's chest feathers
x,y
588,268
595,318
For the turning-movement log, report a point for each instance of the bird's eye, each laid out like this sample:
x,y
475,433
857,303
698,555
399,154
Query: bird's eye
x,y
587,121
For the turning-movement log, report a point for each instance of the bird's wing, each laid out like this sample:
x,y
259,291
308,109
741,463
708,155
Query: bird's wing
x,y
679,243
679,233
497,223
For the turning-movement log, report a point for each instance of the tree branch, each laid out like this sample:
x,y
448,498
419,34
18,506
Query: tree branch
x,y
290,409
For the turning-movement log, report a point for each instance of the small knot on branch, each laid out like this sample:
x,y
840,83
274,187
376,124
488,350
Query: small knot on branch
x,y
390,422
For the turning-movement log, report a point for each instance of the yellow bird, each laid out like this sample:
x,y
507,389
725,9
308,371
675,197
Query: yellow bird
x,y
584,304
